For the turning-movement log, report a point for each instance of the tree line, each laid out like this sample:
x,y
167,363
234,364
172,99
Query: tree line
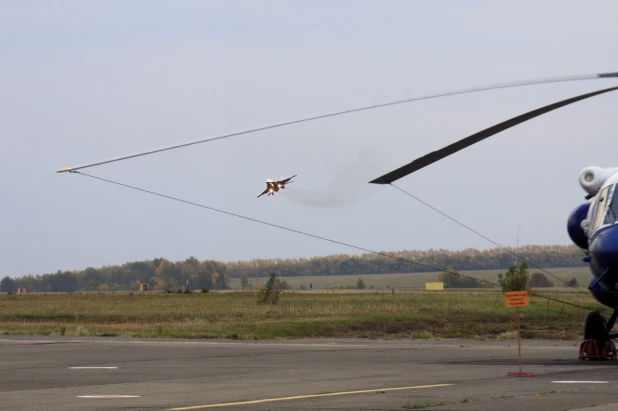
x,y
162,274
548,256
158,274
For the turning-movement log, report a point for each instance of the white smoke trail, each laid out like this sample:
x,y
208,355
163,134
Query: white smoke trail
x,y
350,183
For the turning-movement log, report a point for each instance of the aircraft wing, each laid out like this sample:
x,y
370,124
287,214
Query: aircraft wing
x,y
264,192
287,179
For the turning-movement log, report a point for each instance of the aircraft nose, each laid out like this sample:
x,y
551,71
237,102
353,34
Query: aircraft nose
x,y
604,245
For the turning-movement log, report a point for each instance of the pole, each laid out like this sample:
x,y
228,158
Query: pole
x,y
517,248
518,338
518,299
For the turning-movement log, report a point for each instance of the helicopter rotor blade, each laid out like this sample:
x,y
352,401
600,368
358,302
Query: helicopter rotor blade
x,y
438,155
354,110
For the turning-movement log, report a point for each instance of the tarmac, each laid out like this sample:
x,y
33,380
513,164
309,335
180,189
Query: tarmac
x,y
89,373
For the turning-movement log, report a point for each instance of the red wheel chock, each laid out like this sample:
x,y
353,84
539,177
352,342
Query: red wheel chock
x,y
595,350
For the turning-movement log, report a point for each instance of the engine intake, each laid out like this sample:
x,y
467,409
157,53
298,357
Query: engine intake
x,y
592,178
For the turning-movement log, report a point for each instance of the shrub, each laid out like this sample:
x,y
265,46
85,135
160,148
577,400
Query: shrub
x,y
539,280
452,279
360,285
270,292
515,279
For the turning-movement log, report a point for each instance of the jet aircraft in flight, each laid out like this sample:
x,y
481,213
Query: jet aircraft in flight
x,y
273,186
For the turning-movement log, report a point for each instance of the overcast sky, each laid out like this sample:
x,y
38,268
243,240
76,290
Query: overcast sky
x,y
82,81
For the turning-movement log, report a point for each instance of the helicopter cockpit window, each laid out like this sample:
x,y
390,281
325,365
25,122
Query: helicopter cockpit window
x,y
612,208
601,207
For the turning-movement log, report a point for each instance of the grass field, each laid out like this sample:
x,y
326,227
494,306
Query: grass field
x,y
235,315
415,280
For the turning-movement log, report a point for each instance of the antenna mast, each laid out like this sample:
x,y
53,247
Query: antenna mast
x,y
517,247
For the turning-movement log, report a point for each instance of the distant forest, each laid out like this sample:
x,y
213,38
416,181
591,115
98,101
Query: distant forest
x,y
162,274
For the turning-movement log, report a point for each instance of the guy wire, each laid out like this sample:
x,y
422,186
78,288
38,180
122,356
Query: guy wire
x,y
486,238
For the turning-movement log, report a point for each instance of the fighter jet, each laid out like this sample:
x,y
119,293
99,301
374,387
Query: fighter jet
x,y
273,186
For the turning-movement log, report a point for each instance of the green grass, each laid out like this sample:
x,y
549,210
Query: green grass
x,y
235,315
415,280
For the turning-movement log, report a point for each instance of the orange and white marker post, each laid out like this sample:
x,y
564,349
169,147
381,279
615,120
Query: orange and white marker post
x,y
517,299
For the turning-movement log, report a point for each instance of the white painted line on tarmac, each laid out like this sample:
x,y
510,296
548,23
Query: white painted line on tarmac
x,y
300,397
93,368
581,382
108,396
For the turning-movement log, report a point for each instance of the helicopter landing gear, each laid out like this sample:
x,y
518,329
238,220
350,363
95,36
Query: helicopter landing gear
x,y
596,327
598,344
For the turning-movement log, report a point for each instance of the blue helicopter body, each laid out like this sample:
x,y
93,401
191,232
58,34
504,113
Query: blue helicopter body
x,y
593,227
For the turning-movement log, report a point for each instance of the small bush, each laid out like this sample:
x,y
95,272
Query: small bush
x,y
515,279
204,290
360,285
452,279
282,285
539,280
270,292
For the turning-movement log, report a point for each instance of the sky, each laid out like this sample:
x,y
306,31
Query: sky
x,y
83,81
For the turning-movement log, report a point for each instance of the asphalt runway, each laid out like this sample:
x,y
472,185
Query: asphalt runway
x,y
72,373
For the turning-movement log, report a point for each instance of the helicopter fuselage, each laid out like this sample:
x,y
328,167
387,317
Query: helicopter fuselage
x,y
593,226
